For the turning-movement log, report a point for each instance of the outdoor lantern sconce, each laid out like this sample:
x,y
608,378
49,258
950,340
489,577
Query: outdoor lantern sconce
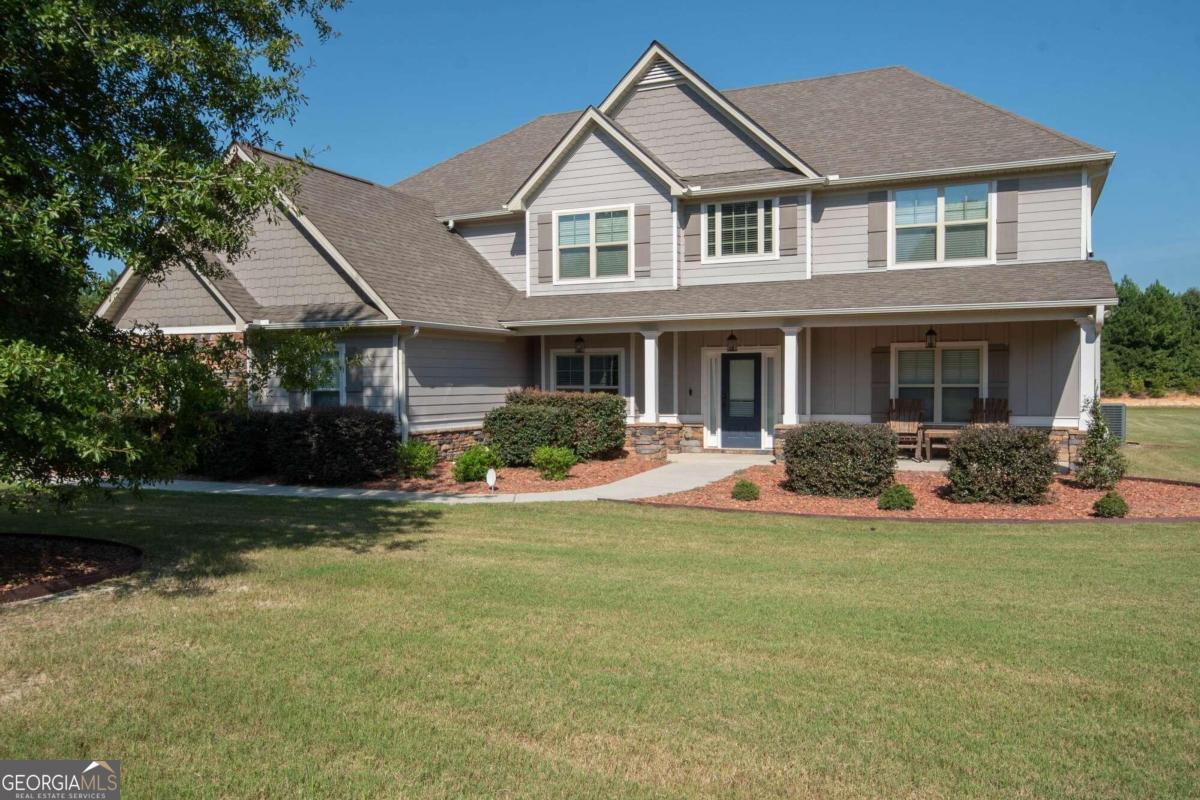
x,y
731,343
931,338
578,344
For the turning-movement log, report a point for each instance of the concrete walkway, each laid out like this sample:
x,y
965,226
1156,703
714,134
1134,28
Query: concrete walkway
x,y
681,473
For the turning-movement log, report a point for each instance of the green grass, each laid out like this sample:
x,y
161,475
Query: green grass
x,y
302,648
1167,443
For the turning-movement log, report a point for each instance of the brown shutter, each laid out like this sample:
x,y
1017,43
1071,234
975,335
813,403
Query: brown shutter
x,y
998,370
789,221
877,245
1006,219
691,233
881,382
545,245
354,375
641,241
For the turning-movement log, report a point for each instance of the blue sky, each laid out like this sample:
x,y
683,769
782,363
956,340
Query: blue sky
x,y
408,84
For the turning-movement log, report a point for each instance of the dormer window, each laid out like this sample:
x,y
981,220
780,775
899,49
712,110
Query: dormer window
x,y
744,230
592,245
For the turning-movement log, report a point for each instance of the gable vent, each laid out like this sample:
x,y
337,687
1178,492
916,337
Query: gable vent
x,y
660,73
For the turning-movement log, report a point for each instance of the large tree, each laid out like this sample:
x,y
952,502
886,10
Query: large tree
x,y
116,118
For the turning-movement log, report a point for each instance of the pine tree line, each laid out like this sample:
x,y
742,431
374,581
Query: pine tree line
x,y
1151,342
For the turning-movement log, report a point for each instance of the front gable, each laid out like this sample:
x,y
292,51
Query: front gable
x,y
180,300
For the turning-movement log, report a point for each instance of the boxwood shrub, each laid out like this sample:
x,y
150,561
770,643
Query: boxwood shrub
x,y
839,459
897,497
473,464
415,459
237,446
332,446
999,464
515,431
554,463
599,419
744,490
1111,505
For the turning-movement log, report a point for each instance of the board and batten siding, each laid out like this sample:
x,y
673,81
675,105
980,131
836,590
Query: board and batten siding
x,y
502,244
784,268
599,173
1049,217
454,380
839,232
179,300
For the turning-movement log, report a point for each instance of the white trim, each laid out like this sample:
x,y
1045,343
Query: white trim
x,y
216,293
650,376
528,257
542,361
807,375
1085,213
631,412
587,351
938,385
196,330
939,226
674,243
128,275
474,216
705,258
808,244
791,375
379,323
697,192
593,246
675,373
1045,422
712,438
114,293
970,169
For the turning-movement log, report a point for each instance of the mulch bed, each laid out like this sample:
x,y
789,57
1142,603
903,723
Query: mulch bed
x,y
32,565
1147,499
512,480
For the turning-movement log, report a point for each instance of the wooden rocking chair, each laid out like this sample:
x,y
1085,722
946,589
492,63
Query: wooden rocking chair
x,y
904,418
990,411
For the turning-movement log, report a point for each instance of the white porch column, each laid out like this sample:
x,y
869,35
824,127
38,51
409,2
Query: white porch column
x,y
791,375
650,375
1089,361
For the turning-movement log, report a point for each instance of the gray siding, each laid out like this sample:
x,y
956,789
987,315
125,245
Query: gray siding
x,y
839,232
375,366
179,300
454,380
286,268
600,173
690,357
784,268
688,134
502,244
1049,217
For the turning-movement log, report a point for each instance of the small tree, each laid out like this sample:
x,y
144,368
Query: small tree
x,y
1100,463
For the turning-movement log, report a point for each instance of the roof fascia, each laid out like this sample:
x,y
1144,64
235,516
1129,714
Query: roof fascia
x,y
115,292
833,181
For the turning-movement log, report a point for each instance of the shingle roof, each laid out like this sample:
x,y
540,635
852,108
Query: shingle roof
x,y
1049,282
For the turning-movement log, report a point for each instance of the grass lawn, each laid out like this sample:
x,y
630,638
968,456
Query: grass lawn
x,y
1168,443
304,648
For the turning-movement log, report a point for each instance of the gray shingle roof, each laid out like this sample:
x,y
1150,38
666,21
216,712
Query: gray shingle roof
x,y
1050,282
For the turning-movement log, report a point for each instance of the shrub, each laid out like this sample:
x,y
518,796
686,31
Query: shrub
x,y
1110,505
1100,462
415,459
745,490
515,431
839,459
474,463
897,497
332,446
237,447
599,419
1001,465
554,463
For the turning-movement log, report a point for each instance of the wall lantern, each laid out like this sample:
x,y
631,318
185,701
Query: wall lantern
x,y
931,338
578,344
731,343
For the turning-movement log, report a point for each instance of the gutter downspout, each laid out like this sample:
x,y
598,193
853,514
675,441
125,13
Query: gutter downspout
x,y
400,378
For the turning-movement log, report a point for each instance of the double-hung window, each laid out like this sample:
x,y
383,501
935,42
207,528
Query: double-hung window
x,y
592,245
588,372
942,224
740,231
331,391
947,380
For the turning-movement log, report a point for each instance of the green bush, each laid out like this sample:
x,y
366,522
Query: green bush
x,y
599,419
745,490
515,431
474,463
332,446
897,497
1100,463
237,447
1110,505
999,464
554,463
839,459
415,459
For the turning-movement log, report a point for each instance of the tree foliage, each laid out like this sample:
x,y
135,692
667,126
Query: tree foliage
x,y
1151,341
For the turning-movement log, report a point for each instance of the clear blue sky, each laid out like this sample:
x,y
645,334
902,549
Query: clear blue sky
x,y
408,84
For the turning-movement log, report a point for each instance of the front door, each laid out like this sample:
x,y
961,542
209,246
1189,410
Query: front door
x,y
741,400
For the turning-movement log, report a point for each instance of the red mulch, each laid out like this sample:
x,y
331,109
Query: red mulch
x,y
1146,499
32,565
524,479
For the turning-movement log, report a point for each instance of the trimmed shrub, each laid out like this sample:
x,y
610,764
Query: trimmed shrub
x,y
839,459
1110,505
999,464
599,419
515,431
554,463
897,497
415,459
333,446
237,447
1100,463
745,490
473,464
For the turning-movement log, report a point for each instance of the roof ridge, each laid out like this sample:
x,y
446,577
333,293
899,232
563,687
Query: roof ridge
x,y
313,165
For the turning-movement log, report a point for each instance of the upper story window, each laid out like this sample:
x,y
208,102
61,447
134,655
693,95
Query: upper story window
x,y
741,231
938,224
592,245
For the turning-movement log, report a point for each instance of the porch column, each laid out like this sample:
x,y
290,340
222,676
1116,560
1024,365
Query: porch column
x,y
791,374
650,375
1089,361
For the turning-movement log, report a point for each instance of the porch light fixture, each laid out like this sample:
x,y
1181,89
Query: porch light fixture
x,y
731,343
578,344
931,338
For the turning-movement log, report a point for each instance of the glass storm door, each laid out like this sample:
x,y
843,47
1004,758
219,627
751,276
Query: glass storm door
x,y
741,400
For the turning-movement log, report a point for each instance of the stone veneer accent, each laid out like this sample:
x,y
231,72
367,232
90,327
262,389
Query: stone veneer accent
x,y
450,444
664,437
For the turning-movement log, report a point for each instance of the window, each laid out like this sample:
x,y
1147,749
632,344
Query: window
x,y
588,372
740,231
330,393
592,245
947,380
949,223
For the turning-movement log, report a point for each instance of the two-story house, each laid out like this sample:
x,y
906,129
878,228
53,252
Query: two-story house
x,y
729,261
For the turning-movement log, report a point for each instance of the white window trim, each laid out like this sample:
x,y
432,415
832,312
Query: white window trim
x,y
981,346
587,373
941,261
592,212
705,258
712,436
340,376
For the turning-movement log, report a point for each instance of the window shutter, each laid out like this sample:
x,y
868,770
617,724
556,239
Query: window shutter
x,y
691,233
881,382
641,241
545,245
877,244
998,370
1006,219
788,223
354,376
